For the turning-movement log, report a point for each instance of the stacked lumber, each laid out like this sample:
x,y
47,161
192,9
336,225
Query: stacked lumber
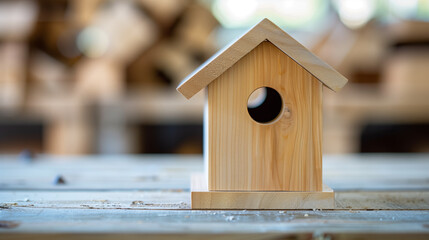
x,y
406,70
64,59
182,46
388,69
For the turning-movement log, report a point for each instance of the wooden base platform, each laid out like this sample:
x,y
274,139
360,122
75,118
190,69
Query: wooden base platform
x,y
201,198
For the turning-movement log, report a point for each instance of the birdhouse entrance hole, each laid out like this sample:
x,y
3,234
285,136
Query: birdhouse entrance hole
x,y
264,105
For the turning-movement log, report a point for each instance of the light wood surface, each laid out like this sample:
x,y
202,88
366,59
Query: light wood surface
x,y
182,224
343,173
201,198
265,30
284,155
130,197
180,199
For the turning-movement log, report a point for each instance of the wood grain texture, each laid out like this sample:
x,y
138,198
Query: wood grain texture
x,y
201,198
344,173
119,221
285,155
265,30
304,235
147,196
179,199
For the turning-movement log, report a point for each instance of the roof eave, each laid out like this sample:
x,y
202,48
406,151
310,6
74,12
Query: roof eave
x,y
264,30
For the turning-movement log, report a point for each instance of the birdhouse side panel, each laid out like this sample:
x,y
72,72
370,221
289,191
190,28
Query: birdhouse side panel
x,y
282,155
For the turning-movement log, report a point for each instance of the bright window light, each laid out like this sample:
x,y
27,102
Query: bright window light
x,y
355,13
288,13
236,11
404,8
92,42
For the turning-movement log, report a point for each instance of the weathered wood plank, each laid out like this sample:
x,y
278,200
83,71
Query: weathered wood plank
x,y
103,173
36,220
162,236
407,200
113,197
232,236
342,172
378,172
382,200
96,199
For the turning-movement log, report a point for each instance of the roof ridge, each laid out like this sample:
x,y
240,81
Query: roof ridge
x,y
233,52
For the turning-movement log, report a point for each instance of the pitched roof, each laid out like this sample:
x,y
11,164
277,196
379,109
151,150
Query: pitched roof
x,y
264,30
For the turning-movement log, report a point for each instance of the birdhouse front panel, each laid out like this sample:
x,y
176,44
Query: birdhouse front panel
x,y
275,146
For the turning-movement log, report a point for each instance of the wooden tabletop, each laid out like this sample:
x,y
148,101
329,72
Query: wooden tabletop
x,y
377,196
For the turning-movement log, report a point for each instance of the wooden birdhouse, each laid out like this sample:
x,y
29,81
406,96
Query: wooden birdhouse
x,y
263,123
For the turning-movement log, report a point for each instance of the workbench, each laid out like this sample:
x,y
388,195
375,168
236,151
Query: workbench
x,y
129,197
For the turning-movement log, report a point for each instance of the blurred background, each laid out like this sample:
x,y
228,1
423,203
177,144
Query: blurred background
x,y
99,76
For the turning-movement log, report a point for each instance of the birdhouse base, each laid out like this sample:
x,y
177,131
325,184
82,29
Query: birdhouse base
x,y
202,198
